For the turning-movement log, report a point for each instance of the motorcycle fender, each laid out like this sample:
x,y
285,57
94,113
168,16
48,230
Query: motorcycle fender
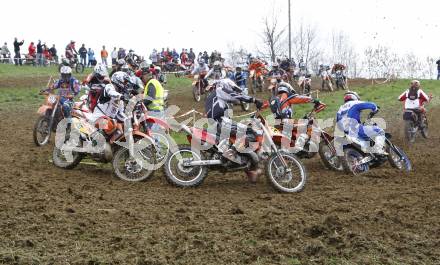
x,y
409,116
42,110
159,122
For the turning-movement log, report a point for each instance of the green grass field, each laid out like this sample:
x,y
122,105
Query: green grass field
x,y
26,96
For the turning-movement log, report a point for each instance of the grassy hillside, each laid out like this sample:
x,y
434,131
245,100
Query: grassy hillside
x,y
19,86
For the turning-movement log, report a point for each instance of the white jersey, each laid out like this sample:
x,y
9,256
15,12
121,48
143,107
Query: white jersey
x,y
111,108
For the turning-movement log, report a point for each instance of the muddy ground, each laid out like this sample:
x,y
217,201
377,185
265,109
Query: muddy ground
x,y
87,216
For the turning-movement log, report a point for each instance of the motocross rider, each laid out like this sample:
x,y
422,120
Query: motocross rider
x,y
96,81
68,87
110,102
202,70
276,72
216,105
286,96
71,51
414,98
348,120
216,72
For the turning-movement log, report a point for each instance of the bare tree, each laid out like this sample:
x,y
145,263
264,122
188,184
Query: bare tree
x,y
430,67
234,55
272,37
305,44
343,51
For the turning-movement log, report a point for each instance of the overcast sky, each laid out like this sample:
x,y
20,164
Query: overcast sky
x,y
406,26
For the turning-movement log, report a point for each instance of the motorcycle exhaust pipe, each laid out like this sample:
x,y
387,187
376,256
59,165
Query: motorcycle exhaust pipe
x,y
203,163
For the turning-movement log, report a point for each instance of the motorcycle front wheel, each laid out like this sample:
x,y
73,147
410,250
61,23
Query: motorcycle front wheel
x,y
129,169
410,131
402,163
180,175
41,133
288,179
61,160
196,93
330,160
79,68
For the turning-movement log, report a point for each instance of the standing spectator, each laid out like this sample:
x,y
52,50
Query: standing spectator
x,y
205,57
83,54
47,57
91,55
438,69
104,56
175,55
153,57
114,56
39,57
5,52
17,51
183,56
121,53
191,55
32,52
53,53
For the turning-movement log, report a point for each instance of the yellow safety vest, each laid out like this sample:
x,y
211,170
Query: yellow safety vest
x,y
158,102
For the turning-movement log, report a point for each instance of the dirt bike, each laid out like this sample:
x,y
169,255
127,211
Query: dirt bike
x,y
304,144
305,84
198,87
73,63
326,81
341,80
358,157
51,113
109,140
188,166
257,79
415,120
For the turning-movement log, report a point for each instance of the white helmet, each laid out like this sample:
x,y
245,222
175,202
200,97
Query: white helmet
x,y
66,73
351,95
66,70
100,70
217,63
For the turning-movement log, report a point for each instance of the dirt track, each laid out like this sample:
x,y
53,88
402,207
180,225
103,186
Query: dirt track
x,y
86,216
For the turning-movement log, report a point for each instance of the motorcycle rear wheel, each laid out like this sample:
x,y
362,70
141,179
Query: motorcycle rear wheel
x,y
41,129
180,176
280,179
351,156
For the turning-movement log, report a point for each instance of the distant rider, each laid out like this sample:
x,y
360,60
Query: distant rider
x,y
68,87
414,98
96,81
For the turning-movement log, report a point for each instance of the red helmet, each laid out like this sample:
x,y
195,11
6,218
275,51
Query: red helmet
x,y
351,95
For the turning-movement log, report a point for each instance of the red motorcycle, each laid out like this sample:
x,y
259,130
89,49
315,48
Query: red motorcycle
x,y
188,165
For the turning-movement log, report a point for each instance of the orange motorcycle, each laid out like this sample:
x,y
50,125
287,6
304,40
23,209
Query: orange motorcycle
x,y
51,114
307,139
121,142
